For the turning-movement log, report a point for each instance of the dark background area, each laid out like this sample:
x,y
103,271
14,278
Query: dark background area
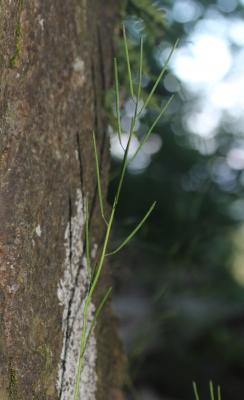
x,y
179,284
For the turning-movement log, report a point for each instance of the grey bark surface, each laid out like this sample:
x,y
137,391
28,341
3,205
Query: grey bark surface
x,y
55,66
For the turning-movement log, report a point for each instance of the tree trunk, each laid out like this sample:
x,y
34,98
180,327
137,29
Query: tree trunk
x,y
55,65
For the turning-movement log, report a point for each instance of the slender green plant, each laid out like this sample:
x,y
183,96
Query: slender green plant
x,y
212,391
94,272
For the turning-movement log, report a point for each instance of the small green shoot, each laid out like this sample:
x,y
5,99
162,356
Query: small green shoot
x,y
195,391
219,393
211,391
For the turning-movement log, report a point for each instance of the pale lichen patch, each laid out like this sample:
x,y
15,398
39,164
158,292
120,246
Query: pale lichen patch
x,y
79,65
78,76
38,231
94,250
13,288
71,294
41,22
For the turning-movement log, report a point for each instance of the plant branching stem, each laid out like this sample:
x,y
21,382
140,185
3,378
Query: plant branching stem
x,y
95,273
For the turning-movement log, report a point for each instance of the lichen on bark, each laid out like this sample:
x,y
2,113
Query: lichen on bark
x,y
72,292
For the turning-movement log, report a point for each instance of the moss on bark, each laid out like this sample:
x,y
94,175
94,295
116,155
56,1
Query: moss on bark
x,y
14,59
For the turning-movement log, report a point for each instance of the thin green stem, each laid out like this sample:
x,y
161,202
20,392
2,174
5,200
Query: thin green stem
x,y
128,62
82,349
160,76
88,259
195,391
140,70
211,389
132,234
147,135
100,196
118,118
132,126
97,313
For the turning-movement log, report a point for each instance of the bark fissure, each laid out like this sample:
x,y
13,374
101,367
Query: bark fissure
x,y
70,230
80,164
67,330
102,65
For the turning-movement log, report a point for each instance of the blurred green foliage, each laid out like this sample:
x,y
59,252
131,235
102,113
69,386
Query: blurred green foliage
x,y
182,257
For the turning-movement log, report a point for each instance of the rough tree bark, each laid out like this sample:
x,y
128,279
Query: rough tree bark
x,y
55,65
